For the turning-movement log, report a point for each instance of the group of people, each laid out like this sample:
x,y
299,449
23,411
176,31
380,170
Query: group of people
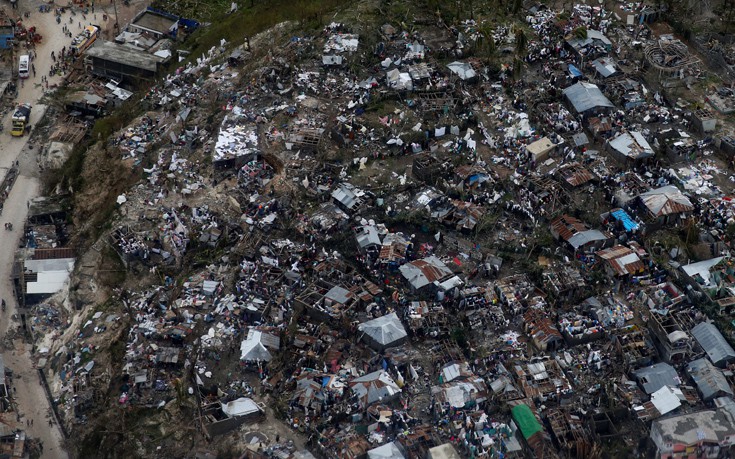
x,y
9,226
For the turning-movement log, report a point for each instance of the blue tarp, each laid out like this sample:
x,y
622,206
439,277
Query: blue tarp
x,y
623,217
574,71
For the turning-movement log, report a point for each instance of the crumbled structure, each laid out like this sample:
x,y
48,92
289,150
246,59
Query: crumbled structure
x,y
392,248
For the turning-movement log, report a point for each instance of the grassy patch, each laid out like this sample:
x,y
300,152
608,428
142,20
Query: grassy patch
x,y
261,16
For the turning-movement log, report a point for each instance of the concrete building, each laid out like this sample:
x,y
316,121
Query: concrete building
x,y
704,434
121,62
156,23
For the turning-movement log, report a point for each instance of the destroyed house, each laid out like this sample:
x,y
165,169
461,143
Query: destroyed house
x,y
577,234
427,319
593,44
621,261
429,169
120,62
417,442
460,394
579,329
564,282
429,273
629,147
346,444
715,345
662,296
571,433
574,175
377,386
542,380
471,175
394,249
670,337
518,293
665,205
541,329
712,277
328,304
609,311
710,381
633,346
237,144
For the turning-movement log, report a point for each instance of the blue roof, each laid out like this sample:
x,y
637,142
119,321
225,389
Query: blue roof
x,y
623,217
574,71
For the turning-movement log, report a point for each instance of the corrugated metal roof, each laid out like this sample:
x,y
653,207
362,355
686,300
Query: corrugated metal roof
x,y
420,273
666,200
666,399
386,451
53,253
567,226
585,237
632,145
385,330
622,259
585,96
657,376
709,379
339,295
575,174
604,66
714,344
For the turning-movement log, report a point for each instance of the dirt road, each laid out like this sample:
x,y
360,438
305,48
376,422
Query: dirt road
x,y
30,397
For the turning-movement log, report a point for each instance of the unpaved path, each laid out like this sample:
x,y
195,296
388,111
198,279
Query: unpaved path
x,y
30,397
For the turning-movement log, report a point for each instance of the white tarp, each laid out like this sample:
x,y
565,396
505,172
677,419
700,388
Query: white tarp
x,y
462,69
240,407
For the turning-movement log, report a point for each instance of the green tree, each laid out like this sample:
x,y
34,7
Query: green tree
x,y
580,32
487,40
521,42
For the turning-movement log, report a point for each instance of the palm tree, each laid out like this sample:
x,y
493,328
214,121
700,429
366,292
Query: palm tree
x,y
521,42
580,32
488,40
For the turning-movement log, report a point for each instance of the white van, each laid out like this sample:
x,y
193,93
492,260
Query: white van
x,y
24,66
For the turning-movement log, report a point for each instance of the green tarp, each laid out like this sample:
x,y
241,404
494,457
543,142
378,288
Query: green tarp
x,y
527,422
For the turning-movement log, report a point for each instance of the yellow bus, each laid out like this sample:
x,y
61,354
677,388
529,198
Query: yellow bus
x,y
84,40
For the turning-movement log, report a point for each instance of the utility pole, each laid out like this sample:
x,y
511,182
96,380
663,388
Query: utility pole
x,y
117,25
